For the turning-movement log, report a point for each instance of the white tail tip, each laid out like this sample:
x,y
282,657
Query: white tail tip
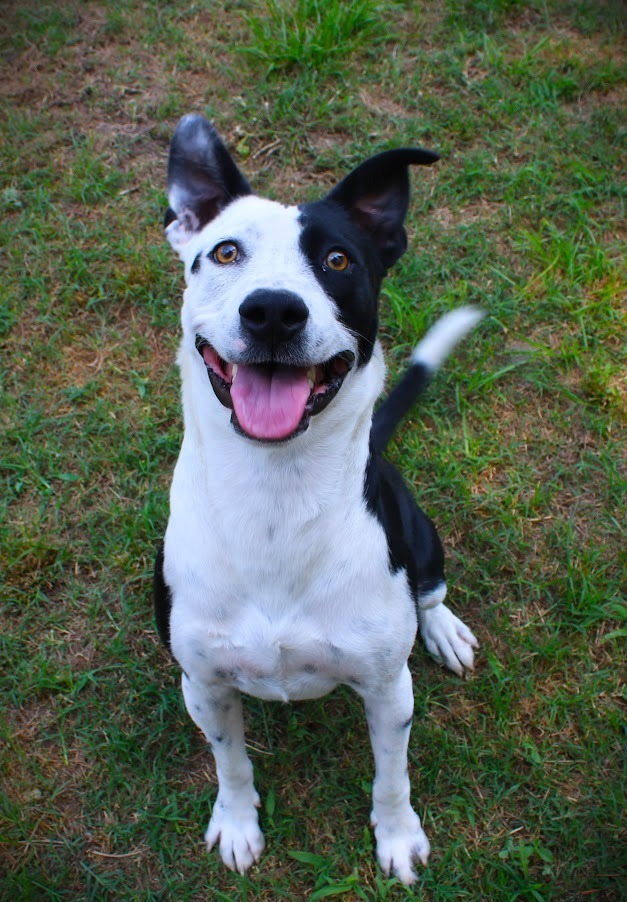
x,y
441,338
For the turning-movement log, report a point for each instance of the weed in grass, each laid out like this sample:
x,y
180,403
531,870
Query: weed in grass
x,y
316,34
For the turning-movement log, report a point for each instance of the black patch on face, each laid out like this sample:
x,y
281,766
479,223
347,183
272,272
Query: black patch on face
x,y
355,290
196,264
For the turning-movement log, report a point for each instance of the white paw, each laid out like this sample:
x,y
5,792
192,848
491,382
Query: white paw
x,y
447,639
237,828
401,842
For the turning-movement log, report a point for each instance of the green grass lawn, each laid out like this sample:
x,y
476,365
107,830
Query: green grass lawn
x,y
516,451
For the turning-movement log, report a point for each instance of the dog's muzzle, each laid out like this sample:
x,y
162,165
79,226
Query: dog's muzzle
x,y
273,402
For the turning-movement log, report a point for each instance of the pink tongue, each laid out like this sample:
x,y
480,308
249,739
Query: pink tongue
x,y
270,403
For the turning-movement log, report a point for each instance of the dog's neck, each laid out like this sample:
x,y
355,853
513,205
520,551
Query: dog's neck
x,y
311,473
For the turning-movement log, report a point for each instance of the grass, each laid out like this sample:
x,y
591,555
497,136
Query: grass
x,y
516,451
313,34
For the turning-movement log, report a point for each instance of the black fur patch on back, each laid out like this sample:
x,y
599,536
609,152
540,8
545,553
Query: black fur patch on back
x,y
162,600
413,542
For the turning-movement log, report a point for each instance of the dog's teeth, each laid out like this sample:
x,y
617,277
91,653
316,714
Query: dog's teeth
x,y
311,376
234,372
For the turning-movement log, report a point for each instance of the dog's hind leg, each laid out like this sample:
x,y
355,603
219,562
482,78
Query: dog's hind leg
x,y
399,834
217,710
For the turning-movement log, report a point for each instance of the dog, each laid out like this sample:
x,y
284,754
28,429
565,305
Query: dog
x,y
295,558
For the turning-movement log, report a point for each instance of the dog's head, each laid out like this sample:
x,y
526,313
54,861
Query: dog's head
x,y
281,305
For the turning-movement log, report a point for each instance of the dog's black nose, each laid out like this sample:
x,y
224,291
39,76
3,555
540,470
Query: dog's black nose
x,y
273,316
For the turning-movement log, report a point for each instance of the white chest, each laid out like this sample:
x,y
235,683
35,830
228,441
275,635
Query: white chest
x,y
290,614
300,652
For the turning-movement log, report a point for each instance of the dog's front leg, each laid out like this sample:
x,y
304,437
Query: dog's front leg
x,y
400,837
217,710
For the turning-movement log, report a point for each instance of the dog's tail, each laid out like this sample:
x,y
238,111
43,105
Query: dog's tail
x,y
428,356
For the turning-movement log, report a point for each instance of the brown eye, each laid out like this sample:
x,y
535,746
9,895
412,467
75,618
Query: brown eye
x,y
226,252
337,260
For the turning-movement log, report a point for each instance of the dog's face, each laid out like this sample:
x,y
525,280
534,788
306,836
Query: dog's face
x,y
281,302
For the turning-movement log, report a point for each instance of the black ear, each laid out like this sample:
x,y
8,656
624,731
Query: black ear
x,y
202,179
376,195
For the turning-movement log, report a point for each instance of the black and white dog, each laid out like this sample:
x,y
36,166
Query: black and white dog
x,y
295,558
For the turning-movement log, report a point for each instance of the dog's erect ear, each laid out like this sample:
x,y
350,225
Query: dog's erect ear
x,y
376,195
202,179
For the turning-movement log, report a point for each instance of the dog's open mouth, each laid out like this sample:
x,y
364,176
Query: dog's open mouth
x,y
273,402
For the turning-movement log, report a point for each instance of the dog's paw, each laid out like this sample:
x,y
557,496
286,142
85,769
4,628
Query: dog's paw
x,y
447,639
401,842
237,829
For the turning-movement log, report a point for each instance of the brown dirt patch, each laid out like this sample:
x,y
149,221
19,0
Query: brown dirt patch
x,y
479,212
382,105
